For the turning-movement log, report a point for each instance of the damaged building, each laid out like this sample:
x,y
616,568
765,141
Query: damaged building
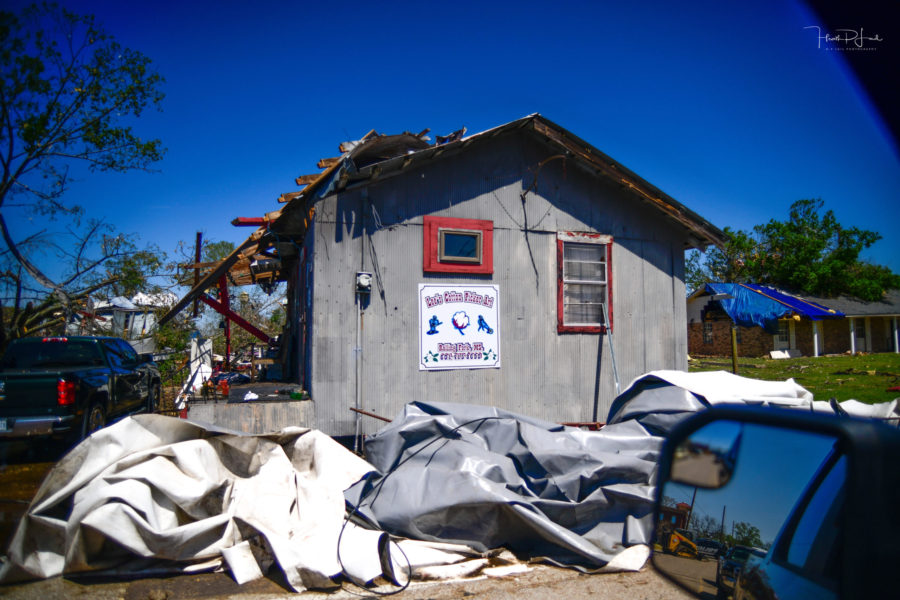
x,y
519,267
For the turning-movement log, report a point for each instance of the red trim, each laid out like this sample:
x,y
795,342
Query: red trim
x,y
432,264
248,222
561,327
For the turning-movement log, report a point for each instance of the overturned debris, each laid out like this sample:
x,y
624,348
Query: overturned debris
x,y
154,494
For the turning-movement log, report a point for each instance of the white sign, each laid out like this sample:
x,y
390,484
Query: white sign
x,y
459,327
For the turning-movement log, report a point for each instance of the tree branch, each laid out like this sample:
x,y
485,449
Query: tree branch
x,y
32,270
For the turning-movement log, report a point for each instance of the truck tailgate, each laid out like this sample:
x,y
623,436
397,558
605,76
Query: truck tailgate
x,y
28,393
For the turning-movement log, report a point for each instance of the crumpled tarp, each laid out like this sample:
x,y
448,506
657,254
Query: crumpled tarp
x,y
752,304
158,494
747,308
659,399
165,494
489,478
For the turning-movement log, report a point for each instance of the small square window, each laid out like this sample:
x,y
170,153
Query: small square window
x,y
453,245
459,245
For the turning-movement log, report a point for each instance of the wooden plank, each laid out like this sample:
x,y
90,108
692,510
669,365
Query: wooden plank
x,y
308,179
324,163
289,196
347,146
199,265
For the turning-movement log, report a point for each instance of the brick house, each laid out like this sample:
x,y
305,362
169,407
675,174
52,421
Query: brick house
x,y
857,326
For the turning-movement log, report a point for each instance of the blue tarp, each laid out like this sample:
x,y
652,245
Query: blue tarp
x,y
751,304
804,308
748,308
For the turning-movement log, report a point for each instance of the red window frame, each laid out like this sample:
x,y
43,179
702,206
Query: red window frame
x,y
431,245
582,238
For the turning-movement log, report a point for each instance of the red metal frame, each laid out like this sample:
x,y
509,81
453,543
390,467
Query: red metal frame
x,y
222,307
233,316
561,327
431,261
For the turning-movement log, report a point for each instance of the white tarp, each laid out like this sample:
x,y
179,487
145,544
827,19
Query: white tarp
x,y
155,487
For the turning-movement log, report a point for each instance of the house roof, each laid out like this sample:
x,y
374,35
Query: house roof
x,y
376,156
749,300
888,306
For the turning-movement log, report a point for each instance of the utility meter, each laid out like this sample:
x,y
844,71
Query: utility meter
x,y
364,283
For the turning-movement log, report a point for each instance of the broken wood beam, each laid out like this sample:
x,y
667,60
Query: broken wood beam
x,y
288,196
324,163
370,414
249,221
307,179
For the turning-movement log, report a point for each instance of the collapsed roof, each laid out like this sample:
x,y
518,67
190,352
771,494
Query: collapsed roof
x,y
375,156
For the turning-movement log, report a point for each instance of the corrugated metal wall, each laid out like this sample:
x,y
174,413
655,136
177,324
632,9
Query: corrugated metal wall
x,y
544,374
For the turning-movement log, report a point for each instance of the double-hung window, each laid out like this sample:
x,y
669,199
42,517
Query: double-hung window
x,y
584,282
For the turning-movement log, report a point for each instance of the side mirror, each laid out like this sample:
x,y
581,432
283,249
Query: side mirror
x,y
764,501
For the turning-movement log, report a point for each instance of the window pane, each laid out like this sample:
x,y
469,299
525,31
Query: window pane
x,y
820,517
585,271
582,303
584,262
461,244
583,314
458,245
784,332
584,252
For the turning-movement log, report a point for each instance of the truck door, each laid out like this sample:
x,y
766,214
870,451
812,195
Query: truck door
x,y
127,379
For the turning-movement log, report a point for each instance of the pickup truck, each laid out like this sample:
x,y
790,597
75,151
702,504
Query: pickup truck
x,y
69,387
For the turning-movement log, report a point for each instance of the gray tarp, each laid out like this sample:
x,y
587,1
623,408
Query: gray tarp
x,y
489,478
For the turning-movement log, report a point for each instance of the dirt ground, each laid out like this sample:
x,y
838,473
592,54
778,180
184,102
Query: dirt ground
x,y
541,582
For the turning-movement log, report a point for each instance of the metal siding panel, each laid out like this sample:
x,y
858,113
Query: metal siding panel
x,y
629,311
658,306
679,309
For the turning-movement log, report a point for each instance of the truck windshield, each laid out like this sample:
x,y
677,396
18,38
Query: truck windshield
x,y
37,354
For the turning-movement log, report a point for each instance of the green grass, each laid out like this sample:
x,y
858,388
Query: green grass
x,y
864,377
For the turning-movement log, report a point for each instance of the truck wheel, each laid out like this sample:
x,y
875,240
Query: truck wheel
x,y
153,398
95,420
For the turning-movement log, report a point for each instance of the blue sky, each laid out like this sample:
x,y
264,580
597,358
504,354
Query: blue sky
x,y
731,108
764,486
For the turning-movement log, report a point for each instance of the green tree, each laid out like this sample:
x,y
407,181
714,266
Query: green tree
x,y
68,93
745,534
810,253
216,251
